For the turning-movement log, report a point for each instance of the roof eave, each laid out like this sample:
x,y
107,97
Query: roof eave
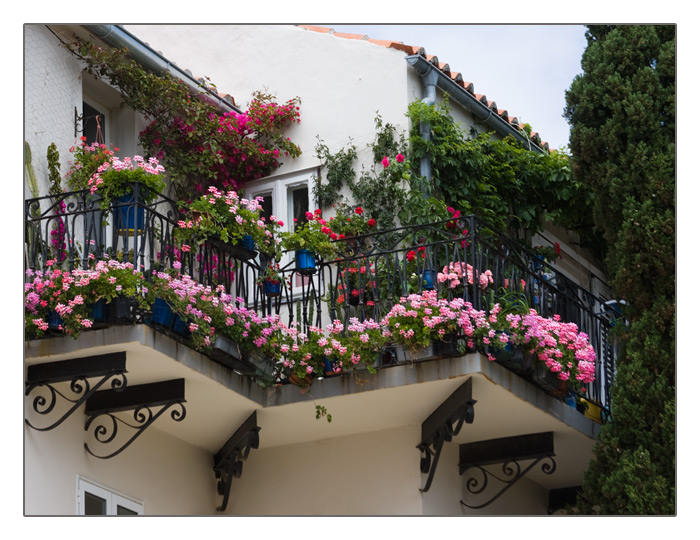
x,y
483,113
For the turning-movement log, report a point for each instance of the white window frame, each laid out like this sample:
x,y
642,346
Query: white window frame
x,y
113,499
281,189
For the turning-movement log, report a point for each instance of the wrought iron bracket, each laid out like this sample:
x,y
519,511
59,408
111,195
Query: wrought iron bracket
x,y
444,423
77,371
228,461
509,452
140,399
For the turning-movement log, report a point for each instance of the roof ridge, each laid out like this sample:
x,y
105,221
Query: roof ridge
x,y
456,76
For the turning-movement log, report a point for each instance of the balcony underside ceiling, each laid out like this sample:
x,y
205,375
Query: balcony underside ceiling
x,y
218,400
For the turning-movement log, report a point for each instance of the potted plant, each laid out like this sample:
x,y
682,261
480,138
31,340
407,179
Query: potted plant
x,y
309,239
349,223
87,159
61,301
131,183
418,321
227,217
271,279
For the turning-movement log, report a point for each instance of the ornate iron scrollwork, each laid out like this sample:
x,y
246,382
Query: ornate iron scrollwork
x,y
141,399
510,452
443,424
228,462
77,371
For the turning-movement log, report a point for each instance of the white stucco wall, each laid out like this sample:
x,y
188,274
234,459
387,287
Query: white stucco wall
x,y
169,476
342,83
374,473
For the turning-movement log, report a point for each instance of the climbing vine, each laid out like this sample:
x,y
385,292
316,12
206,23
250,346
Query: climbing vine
x,y
510,188
196,143
507,186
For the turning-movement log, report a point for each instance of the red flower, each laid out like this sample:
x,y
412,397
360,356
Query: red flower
x,y
358,210
399,158
411,256
334,236
371,223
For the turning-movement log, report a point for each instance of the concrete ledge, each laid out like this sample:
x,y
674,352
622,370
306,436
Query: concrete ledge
x,y
140,335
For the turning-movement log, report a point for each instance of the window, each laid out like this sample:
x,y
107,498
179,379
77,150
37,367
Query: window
x,y
94,500
288,198
94,123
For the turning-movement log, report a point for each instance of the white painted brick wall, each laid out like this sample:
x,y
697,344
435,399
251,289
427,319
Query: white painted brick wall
x,y
52,90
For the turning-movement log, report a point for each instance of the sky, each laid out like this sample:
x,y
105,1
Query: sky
x,y
525,69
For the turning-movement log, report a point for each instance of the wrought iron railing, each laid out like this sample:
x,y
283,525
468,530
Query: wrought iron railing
x,y
369,275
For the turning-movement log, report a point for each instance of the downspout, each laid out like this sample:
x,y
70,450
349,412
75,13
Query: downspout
x,y
430,79
118,37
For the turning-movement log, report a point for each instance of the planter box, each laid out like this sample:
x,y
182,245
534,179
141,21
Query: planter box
x,y
162,314
404,355
549,381
263,365
181,327
119,310
226,352
229,354
516,360
448,347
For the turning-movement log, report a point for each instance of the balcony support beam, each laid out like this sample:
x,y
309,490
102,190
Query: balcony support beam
x,y
77,371
140,399
228,461
509,452
444,423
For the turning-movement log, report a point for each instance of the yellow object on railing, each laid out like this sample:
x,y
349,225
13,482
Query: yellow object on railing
x,y
592,411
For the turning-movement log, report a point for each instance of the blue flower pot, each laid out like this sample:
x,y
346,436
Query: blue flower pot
x,y
129,213
244,250
98,310
162,314
247,242
53,319
429,279
272,289
305,262
180,326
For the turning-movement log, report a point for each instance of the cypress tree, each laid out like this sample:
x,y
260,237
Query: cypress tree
x,y
622,115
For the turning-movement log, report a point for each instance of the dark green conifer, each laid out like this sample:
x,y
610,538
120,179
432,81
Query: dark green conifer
x,y
622,115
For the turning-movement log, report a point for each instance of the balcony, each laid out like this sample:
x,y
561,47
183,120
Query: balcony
x,y
227,383
370,275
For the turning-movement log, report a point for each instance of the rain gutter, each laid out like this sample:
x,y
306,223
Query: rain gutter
x,y
433,77
118,37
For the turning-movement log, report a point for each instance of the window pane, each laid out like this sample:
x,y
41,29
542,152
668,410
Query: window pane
x,y
300,205
94,505
94,128
121,511
266,204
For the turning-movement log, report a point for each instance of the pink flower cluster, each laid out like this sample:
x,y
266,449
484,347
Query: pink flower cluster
x,y
565,351
69,293
150,166
457,274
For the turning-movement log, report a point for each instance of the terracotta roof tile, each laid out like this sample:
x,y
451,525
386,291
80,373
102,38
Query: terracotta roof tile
x,y
444,67
350,36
